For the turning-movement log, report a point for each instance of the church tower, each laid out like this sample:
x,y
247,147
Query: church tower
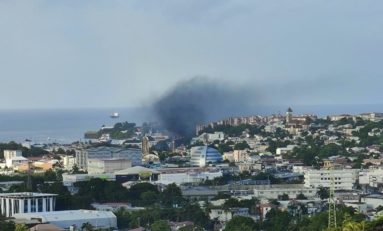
x,y
289,115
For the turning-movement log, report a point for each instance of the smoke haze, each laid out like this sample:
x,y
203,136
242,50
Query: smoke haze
x,y
199,100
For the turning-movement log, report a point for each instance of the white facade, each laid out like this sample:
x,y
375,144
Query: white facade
x,y
74,218
187,177
343,178
373,201
104,153
282,151
26,202
107,166
14,158
273,191
372,177
68,162
226,215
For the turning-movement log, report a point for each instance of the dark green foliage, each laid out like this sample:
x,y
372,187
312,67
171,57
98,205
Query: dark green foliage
x,y
122,130
172,196
239,223
241,146
277,220
160,225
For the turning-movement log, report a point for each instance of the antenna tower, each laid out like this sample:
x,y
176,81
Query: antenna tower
x,y
331,201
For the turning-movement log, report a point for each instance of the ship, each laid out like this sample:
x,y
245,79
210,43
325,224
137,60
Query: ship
x,y
115,115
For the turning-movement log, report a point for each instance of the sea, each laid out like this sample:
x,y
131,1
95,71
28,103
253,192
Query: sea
x,y
69,125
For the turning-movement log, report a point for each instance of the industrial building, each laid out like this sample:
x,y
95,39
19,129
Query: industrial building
x,y
73,219
107,165
26,202
105,153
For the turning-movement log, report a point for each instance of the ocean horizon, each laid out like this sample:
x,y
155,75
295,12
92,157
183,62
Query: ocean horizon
x,y
69,125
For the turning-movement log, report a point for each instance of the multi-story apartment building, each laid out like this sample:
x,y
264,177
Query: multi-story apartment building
x,y
343,178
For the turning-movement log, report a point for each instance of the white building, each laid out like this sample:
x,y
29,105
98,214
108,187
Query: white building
x,y
371,177
74,219
373,201
68,162
285,150
14,158
210,137
107,165
226,215
26,202
343,178
274,191
240,155
104,153
188,176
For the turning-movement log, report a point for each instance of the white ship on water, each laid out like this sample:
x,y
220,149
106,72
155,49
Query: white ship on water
x,y
115,115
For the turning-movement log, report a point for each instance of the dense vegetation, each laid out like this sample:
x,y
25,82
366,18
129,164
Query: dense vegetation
x,y
124,130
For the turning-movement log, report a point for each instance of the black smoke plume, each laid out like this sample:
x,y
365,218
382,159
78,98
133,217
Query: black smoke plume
x,y
199,100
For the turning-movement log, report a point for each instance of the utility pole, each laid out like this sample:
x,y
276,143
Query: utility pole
x,y
29,180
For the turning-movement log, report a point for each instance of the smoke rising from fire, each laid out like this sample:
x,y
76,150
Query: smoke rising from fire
x,y
199,100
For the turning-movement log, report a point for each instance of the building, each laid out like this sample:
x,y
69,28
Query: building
x,y
373,201
187,175
198,193
107,165
136,173
26,202
240,155
203,155
344,178
226,215
73,219
274,191
371,177
104,152
68,162
14,158
372,116
70,179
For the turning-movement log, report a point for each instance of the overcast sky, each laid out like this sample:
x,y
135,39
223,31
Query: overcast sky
x,y
65,54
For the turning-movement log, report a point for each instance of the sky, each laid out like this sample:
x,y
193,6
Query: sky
x,y
115,53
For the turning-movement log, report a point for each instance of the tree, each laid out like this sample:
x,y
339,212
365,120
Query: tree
x,y
284,197
21,227
323,193
148,198
301,196
160,225
172,196
87,227
239,223
191,228
277,220
241,146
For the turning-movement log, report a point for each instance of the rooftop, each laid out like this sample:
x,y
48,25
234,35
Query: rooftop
x,y
26,194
